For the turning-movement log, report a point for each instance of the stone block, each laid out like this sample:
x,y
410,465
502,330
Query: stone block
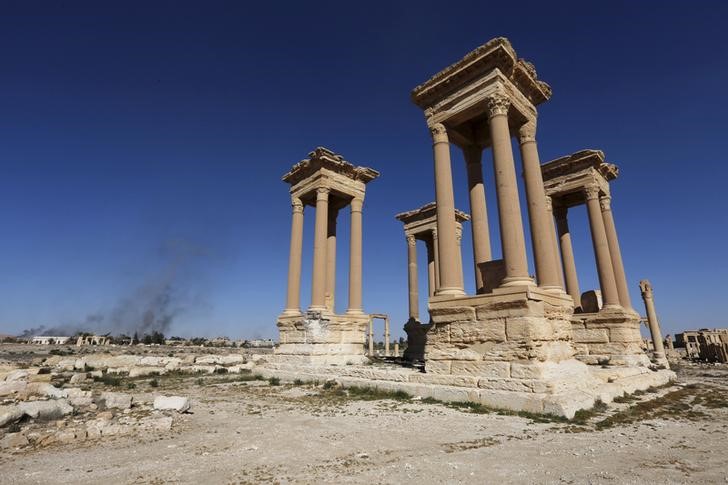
x,y
444,380
437,366
447,314
54,409
118,400
528,328
10,414
174,403
480,331
514,401
590,335
625,334
487,369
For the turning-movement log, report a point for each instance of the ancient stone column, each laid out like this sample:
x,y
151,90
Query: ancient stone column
x,y
646,289
386,337
331,260
541,226
567,255
414,303
431,261
293,297
610,296
436,265
459,239
355,257
509,208
478,212
371,337
615,252
554,244
396,349
445,199
318,285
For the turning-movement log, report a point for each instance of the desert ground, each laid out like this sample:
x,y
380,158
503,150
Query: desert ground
x,y
242,428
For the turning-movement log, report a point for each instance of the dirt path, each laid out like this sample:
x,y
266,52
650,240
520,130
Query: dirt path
x,y
251,433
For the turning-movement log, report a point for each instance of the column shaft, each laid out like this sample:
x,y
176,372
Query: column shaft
x,y
445,199
652,321
567,256
386,337
371,337
541,227
610,296
331,260
478,212
554,243
355,257
318,285
436,264
293,297
615,252
414,304
509,207
431,285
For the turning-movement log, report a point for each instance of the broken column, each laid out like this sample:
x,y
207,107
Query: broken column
x,y
654,324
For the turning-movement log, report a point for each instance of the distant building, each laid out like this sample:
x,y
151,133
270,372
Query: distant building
x,y
259,344
93,340
705,344
49,340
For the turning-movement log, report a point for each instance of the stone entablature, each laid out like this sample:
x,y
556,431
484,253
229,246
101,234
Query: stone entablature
x,y
567,178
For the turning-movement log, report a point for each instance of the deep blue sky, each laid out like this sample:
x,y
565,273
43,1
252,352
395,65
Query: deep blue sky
x,y
143,142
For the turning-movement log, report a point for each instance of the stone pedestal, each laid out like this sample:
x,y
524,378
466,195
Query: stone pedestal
x,y
609,337
324,338
514,345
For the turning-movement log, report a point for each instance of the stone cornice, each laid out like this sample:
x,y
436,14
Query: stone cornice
x,y
494,54
324,158
427,211
577,162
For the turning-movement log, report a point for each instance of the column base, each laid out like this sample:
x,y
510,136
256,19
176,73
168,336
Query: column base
x,y
450,291
610,337
511,281
292,312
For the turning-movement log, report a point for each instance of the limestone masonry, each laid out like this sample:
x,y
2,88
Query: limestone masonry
x,y
519,343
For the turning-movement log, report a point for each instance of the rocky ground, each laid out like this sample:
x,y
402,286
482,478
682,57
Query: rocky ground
x,y
243,429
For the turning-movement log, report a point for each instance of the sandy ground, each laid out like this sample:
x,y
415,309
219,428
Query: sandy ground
x,y
252,432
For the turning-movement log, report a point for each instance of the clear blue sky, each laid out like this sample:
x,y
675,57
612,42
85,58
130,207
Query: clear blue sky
x,y
142,145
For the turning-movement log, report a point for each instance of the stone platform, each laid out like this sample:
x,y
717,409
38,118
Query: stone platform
x,y
611,335
605,383
323,338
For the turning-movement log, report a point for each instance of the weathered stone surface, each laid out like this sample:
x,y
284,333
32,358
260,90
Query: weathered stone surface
x,y
480,331
77,378
10,414
583,335
146,371
528,328
174,403
452,314
13,440
12,387
53,409
481,368
118,400
17,375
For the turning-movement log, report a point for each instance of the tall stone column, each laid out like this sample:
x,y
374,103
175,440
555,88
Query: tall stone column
x,y
646,289
567,255
509,208
293,297
459,239
445,199
318,285
478,212
610,296
436,265
541,226
431,285
615,252
371,337
414,303
331,260
355,257
554,244
386,337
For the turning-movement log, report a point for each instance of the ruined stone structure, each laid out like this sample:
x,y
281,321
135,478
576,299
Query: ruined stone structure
x,y
605,327
705,344
421,225
653,323
93,340
329,183
517,342
385,318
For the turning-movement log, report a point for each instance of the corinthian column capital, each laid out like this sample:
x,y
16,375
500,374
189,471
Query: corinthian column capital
x,y
497,104
356,204
605,201
439,133
322,193
591,192
411,240
297,205
646,289
549,204
527,132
